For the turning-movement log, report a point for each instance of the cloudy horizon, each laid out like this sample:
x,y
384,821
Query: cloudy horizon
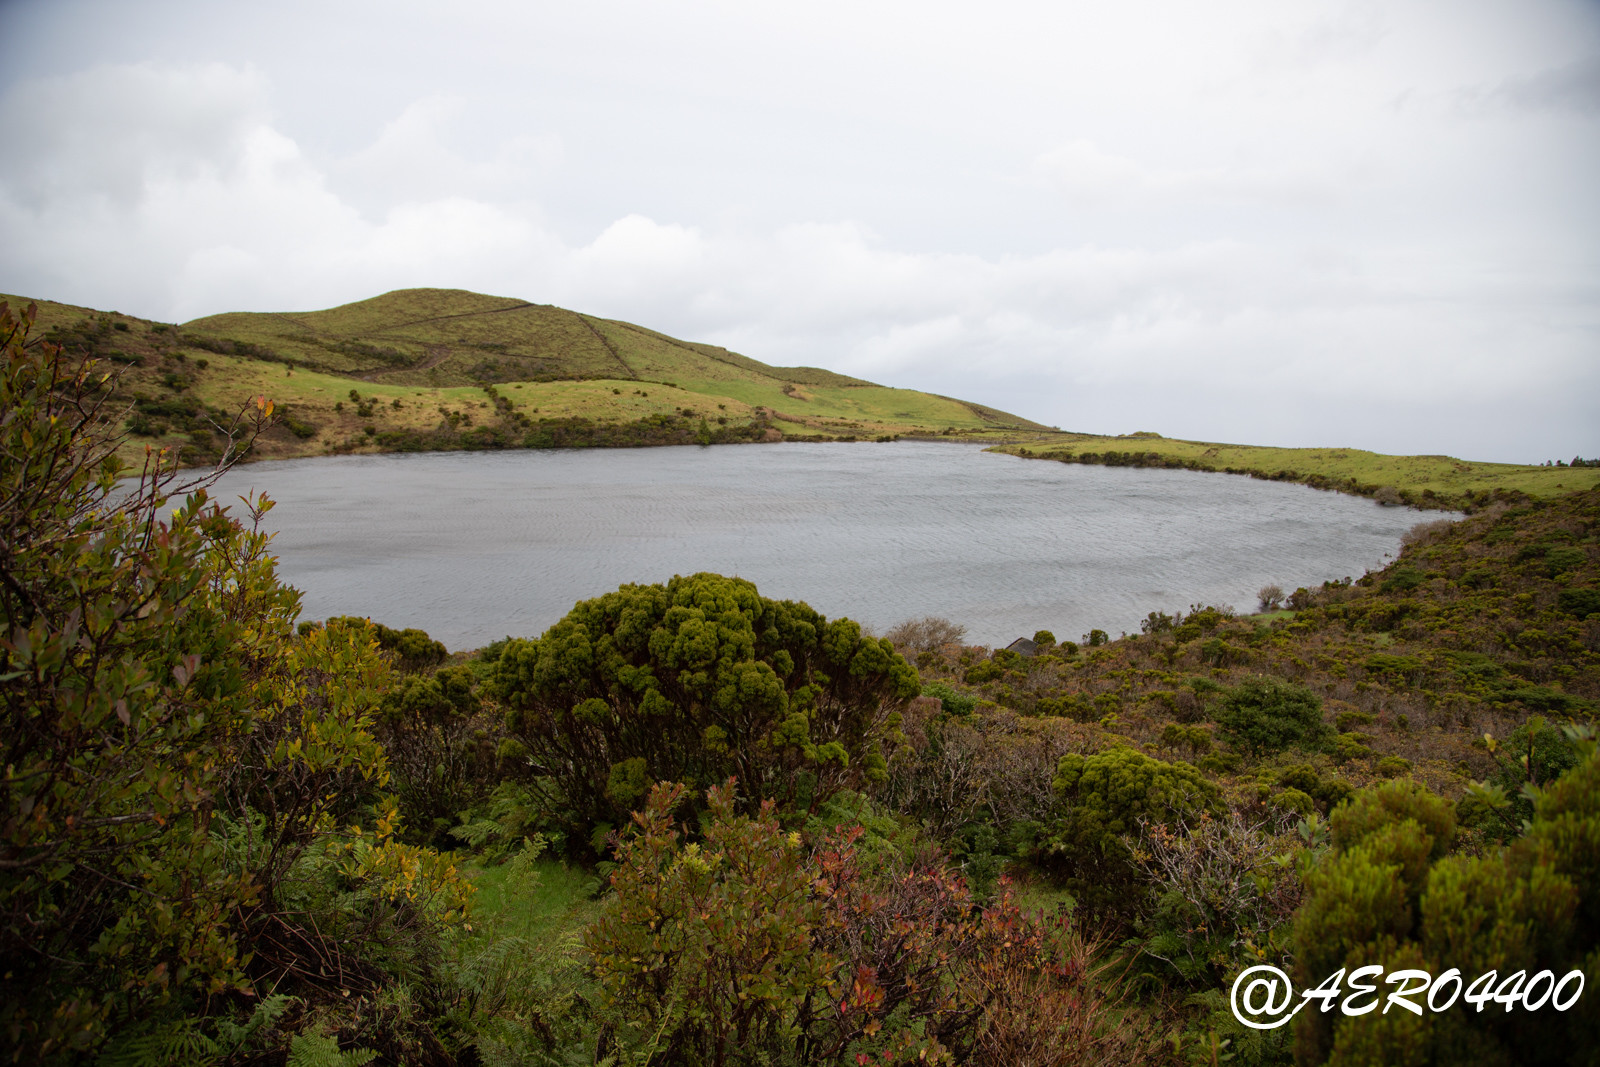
x,y
1341,224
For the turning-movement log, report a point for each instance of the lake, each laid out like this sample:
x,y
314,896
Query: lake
x,y
475,546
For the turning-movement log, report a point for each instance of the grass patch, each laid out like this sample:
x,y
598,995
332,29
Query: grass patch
x,y
543,901
1417,481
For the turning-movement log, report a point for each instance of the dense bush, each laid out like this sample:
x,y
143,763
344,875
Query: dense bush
x,y
410,649
1105,799
693,682
1266,714
175,756
1221,892
1388,893
442,749
754,946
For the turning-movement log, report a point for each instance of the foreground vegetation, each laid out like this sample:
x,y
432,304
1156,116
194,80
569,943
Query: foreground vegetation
x,y
692,825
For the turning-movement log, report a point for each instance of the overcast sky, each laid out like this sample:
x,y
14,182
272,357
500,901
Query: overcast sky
x,y
1320,223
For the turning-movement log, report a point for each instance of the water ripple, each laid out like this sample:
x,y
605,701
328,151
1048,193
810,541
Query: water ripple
x,y
472,547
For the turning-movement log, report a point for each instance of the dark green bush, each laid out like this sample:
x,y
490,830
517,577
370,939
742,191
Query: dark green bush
x,y
951,701
1265,714
1402,579
1559,560
1582,602
983,673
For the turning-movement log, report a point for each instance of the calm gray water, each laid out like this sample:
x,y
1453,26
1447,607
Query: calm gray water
x,y
474,546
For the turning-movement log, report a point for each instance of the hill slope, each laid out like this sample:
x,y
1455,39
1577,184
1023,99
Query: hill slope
x,y
445,368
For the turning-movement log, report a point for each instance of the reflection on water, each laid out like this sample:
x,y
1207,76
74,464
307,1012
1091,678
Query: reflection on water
x,y
475,546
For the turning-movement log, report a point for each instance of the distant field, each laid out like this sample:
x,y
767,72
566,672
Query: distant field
x,y
1424,481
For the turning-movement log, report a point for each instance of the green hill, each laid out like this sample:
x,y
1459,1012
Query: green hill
x,y
444,368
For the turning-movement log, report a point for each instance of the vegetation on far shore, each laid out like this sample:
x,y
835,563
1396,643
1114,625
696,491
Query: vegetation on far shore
x,y
1435,482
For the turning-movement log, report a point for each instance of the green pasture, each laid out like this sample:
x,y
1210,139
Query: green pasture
x,y
1442,477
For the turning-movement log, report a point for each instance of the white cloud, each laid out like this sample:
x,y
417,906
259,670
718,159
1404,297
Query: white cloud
x,y
1083,170
105,134
415,157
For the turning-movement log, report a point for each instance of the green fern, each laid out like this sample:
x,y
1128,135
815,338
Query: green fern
x,y
476,834
236,1037
314,1050
178,1041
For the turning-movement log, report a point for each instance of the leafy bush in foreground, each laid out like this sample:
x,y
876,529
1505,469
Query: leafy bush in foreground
x,y
1105,799
1388,894
693,682
176,758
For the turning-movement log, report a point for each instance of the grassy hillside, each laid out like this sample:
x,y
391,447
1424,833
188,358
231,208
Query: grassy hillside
x,y
438,368
1420,481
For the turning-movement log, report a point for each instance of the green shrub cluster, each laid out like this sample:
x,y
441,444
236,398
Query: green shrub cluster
x,y
1390,892
1104,800
697,680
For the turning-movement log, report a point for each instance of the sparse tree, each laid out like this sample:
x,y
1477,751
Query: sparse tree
x,y
926,634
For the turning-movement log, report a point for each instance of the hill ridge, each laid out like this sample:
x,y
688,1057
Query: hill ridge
x,y
427,368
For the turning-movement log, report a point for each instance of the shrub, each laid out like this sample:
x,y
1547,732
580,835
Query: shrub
x,y
983,673
1535,754
1349,720
1103,799
1220,892
953,702
1328,792
1426,532
926,634
1565,558
1580,602
1293,800
750,947
441,749
1348,746
1265,714
155,696
1219,653
1195,738
410,649
1393,766
1156,622
1402,579
703,678
1270,598
1388,892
